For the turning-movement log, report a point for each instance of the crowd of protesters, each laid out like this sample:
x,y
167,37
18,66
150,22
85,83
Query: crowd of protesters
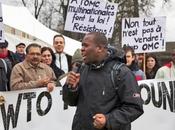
x,y
37,66
61,63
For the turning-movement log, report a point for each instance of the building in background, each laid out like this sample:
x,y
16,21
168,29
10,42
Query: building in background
x,y
21,26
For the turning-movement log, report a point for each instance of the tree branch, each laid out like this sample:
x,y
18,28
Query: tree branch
x,y
24,3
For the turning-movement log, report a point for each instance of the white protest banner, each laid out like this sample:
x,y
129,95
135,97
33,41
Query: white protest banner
x,y
85,16
1,25
144,34
35,109
159,105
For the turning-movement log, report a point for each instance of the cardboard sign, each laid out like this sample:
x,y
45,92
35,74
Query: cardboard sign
x,y
85,16
144,34
1,26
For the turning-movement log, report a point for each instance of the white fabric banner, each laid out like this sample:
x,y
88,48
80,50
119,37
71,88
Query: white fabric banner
x,y
36,109
159,105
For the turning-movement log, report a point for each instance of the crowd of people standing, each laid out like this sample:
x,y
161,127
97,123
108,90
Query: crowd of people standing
x,y
61,63
90,87
37,67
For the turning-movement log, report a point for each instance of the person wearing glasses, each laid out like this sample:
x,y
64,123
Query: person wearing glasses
x,y
31,73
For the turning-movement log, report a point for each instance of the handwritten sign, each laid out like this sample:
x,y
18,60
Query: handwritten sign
x,y
144,34
85,16
1,26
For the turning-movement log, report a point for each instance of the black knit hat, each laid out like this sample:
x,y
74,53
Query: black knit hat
x,y
20,44
77,57
4,44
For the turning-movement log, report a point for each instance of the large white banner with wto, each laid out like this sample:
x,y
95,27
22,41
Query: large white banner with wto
x,y
37,109
34,109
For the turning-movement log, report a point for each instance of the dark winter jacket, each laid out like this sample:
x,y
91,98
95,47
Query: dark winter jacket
x,y
20,57
58,72
3,76
10,61
96,94
139,74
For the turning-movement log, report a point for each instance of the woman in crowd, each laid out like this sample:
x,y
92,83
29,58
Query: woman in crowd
x,y
152,65
49,58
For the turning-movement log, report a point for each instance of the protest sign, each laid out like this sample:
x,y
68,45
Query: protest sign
x,y
1,25
144,34
85,16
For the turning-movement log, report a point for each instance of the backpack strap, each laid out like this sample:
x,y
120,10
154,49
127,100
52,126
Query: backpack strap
x,y
5,67
115,74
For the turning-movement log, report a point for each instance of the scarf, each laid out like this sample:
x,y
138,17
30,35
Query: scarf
x,y
4,54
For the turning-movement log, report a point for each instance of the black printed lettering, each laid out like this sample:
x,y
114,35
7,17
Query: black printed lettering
x,y
38,104
29,97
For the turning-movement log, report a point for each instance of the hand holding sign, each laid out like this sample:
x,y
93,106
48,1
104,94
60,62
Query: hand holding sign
x,y
1,26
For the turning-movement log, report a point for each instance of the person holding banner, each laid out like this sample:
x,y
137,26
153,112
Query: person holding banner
x,y
100,103
31,73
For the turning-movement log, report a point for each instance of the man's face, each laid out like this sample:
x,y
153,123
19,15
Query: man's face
x,y
3,50
34,56
89,49
129,58
20,49
58,44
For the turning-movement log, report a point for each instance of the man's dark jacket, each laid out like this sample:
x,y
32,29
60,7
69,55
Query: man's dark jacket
x,y
96,94
69,61
11,60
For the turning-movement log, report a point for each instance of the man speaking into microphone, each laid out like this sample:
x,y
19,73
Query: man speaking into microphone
x,y
101,103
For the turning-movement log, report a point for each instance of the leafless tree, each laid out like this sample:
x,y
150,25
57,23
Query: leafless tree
x,y
129,8
55,11
38,4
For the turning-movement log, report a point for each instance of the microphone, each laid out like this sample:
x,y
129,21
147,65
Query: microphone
x,y
75,69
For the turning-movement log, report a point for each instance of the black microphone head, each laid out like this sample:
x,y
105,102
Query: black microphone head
x,y
76,66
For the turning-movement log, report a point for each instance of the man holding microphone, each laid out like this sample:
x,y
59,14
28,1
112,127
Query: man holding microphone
x,y
100,104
